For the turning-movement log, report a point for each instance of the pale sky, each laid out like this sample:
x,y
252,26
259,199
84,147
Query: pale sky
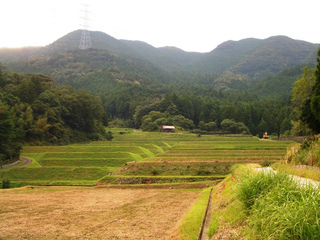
x,y
191,25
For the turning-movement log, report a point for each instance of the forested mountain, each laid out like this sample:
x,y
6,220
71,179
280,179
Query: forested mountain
x,y
257,58
279,86
251,58
80,68
168,58
153,55
122,84
243,82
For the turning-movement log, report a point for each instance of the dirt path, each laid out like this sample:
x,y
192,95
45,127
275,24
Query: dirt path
x,y
299,180
25,161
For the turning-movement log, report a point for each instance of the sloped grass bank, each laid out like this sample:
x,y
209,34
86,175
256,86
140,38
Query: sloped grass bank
x,y
252,205
55,176
278,207
120,180
228,212
175,168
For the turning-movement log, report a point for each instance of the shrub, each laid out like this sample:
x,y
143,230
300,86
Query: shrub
x,y
6,183
155,172
109,136
266,163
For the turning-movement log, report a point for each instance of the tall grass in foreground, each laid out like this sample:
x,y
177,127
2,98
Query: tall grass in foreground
x,y
278,208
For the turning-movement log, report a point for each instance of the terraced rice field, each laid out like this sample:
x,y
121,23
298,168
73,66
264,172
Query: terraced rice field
x,y
147,183
141,154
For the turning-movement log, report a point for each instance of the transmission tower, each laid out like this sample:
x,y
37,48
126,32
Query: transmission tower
x,y
85,41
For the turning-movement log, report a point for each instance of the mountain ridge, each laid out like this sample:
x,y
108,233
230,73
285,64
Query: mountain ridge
x,y
266,56
234,64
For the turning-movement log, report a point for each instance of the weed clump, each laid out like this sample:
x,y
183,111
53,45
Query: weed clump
x,y
154,172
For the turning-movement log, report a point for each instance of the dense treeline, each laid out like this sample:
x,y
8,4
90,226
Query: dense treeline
x,y
33,110
225,113
131,89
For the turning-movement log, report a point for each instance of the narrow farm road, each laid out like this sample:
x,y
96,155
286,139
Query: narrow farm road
x,y
25,162
303,182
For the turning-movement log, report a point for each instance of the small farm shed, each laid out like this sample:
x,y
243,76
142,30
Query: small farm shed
x,y
166,128
266,136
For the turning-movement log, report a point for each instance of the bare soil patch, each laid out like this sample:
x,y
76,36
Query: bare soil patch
x,y
91,213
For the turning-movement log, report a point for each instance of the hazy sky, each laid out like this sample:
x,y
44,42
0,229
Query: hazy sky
x,y
197,25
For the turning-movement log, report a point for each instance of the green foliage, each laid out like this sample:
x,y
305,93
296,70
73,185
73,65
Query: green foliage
x,y
315,98
230,126
37,112
133,78
311,109
6,183
182,122
256,58
109,136
302,88
279,86
155,119
210,126
10,136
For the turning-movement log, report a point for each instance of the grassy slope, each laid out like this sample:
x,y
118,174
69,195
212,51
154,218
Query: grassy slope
x,y
251,205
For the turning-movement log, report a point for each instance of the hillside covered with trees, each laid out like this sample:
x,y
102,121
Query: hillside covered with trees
x,y
240,87
34,111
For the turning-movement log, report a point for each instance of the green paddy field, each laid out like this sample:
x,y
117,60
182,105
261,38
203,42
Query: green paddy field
x,y
148,157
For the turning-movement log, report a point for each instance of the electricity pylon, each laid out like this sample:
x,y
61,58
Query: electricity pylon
x,y
85,41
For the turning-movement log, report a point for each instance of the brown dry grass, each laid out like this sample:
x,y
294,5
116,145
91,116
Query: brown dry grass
x,y
91,213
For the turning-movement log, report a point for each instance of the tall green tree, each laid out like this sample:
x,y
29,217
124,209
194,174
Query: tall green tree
x,y
9,145
315,98
302,89
311,109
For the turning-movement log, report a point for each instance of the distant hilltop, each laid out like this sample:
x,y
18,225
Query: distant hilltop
x,y
253,57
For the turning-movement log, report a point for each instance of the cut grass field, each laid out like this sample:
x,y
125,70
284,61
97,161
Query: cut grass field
x,y
92,213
